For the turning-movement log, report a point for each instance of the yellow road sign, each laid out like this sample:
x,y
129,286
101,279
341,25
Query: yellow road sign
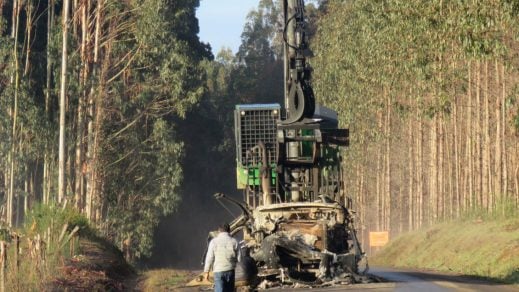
x,y
379,238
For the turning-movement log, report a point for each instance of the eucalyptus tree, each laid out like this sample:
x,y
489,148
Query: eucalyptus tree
x,y
63,94
133,71
140,155
428,76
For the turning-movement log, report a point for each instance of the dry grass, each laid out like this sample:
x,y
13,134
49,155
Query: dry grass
x,y
165,279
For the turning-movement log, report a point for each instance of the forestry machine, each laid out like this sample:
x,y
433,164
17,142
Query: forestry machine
x,y
296,220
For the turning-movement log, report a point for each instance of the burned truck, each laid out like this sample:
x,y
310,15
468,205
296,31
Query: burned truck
x,y
296,219
297,222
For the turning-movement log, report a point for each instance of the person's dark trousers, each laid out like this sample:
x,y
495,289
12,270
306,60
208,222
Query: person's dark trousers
x,y
224,281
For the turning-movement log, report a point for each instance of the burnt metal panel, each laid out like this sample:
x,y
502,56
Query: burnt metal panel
x,y
256,123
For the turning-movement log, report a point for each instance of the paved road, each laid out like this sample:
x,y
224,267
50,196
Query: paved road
x,y
407,280
411,281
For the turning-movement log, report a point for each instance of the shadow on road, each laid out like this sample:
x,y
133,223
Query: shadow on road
x,y
409,280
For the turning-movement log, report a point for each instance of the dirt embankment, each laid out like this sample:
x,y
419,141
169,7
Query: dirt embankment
x,y
99,266
479,248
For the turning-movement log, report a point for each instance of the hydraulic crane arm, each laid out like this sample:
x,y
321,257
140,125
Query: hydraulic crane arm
x,y
299,95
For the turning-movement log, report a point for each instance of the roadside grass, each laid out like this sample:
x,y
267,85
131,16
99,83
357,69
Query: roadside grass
x,y
31,268
482,246
165,279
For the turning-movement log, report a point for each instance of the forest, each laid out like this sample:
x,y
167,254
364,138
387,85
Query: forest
x,y
117,110
90,94
429,92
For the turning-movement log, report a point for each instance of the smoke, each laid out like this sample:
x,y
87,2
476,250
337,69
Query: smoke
x,y
180,239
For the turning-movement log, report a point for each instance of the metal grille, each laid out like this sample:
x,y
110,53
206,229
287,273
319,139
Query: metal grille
x,y
254,124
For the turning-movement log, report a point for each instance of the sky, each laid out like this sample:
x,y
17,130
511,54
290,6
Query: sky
x,y
221,22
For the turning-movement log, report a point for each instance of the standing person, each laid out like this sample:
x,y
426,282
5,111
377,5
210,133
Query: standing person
x,y
222,255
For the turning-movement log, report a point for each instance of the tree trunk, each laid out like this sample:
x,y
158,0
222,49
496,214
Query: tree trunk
x,y
17,217
440,197
79,177
478,144
498,164
411,174
401,211
93,117
433,172
46,159
50,26
29,16
62,109
470,144
516,182
26,197
487,200
14,133
457,172
450,165
503,132
1,13
387,200
14,17
100,208
420,172
362,208
379,179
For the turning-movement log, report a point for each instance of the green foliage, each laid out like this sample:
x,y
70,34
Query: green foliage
x,y
31,127
5,103
167,53
145,75
5,234
143,180
366,48
504,209
41,217
405,57
259,78
516,120
143,170
259,32
141,153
